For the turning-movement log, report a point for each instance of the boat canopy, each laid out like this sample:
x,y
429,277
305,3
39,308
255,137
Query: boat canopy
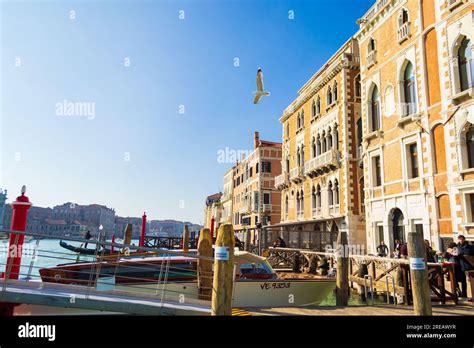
x,y
243,257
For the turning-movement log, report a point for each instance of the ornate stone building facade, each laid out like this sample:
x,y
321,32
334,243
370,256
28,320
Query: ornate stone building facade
x,y
416,76
321,175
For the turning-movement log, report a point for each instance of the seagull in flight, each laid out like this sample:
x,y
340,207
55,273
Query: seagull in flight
x,y
259,92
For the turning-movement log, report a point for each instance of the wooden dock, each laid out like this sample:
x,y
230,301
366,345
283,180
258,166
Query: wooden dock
x,y
462,309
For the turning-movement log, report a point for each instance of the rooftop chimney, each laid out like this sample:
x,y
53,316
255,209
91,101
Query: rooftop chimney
x,y
256,140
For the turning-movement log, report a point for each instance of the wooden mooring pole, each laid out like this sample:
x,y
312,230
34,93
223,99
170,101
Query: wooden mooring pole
x,y
342,272
127,238
185,239
205,266
419,274
223,271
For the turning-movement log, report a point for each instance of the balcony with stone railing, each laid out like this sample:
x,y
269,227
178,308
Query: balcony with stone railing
x,y
297,174
282,181
403,32
323,163
334,209
371,58
316,212
300,214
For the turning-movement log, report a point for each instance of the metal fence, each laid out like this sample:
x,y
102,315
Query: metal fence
x,y
111,269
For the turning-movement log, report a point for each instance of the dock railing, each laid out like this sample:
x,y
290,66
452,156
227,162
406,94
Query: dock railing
x,y
377,268
131,271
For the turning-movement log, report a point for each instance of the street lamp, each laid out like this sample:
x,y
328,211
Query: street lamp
x,y
343,226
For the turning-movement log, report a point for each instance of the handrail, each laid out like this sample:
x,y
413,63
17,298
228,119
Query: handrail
x,y
388,290
369,278
355,256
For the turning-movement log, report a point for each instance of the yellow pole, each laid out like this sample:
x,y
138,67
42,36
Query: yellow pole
x,y
127,240
420,284
342,270
205,266
223,271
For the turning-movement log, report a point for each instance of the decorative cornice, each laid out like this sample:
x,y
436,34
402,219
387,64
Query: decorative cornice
x,y
373,16
345,61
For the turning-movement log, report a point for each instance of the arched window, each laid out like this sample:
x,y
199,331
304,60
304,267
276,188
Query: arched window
x,y
318,146
371,46
313,198
302,155
371,53
336,192
318,196
318,106
398,227
298,122
286,206
298,157
287,164
301,202
336,137
313,109
357,86
409,89
313,148
329,96
466,65
330,194
375,109
334,91
329,138
470,146
297,202
302,118
403,17
323,140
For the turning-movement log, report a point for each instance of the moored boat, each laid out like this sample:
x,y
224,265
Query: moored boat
x,y
256,285
81,250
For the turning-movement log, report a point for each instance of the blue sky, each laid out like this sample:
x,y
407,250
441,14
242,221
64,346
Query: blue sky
x,y
174,63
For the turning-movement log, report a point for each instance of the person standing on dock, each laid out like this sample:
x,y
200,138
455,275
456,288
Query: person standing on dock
x,y
382,249
87,236
464,249
401,251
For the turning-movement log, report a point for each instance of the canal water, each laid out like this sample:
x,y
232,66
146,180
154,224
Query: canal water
x,y
48,254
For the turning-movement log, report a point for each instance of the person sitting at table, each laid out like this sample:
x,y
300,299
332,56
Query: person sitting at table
x,y
430,253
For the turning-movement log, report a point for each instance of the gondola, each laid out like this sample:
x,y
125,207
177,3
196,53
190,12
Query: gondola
x,y
82,251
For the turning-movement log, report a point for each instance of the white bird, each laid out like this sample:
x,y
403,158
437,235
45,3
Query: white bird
x,y
259,92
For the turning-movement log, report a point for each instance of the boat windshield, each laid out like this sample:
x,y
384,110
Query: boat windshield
x,y
256,268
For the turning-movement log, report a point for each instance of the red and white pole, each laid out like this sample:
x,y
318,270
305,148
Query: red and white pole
x,y
19,218
142,235
212,226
